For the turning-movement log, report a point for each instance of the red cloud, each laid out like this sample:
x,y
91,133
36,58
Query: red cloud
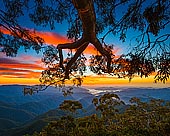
x,y
55,39
52,38
22,66
10,67
13,74
18,73
49,37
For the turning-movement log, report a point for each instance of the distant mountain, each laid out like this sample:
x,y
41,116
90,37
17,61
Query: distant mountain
x,y
17,115
29,128
7,124
42,120
21,114
127,93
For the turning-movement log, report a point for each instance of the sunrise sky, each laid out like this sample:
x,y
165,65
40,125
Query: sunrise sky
x,y
26,67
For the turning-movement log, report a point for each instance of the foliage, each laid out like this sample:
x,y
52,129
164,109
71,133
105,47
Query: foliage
x,y
70,105
163,68
150,118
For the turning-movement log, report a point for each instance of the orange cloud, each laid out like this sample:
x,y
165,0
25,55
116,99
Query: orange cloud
x,y
55,39
52,38
18,73
49,37
5,31
22,65
16,68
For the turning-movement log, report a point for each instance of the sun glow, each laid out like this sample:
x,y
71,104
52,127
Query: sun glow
x,y
27,81
94,81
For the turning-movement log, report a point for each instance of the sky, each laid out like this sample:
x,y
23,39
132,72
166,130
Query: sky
x,y
26,67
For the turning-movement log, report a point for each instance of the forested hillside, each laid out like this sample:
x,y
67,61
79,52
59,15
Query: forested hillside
x,y
21,114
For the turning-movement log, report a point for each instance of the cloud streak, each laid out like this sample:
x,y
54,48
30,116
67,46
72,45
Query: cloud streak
x,y
10,67
52,38
10,63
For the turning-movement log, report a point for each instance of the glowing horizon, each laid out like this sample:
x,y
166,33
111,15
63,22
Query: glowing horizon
x,y
93,81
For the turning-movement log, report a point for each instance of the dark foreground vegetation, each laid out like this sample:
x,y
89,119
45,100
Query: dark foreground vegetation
x,y
112,118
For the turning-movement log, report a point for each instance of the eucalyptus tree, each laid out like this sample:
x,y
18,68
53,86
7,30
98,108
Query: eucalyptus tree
x,y
91,21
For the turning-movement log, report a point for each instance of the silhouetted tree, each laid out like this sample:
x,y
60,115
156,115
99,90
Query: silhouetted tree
x,y
86,19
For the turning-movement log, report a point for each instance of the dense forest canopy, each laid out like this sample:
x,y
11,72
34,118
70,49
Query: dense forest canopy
x,y
86,20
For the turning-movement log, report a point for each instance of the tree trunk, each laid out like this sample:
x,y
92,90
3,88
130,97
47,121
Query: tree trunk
x,y
87,15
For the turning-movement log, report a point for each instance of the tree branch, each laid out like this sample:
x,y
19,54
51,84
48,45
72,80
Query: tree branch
x,y
68,46
74,58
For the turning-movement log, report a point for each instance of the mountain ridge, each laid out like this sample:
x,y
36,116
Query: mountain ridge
x,y
38,109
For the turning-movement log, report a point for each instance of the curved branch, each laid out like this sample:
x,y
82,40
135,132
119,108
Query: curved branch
x,y
74,58
68,46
